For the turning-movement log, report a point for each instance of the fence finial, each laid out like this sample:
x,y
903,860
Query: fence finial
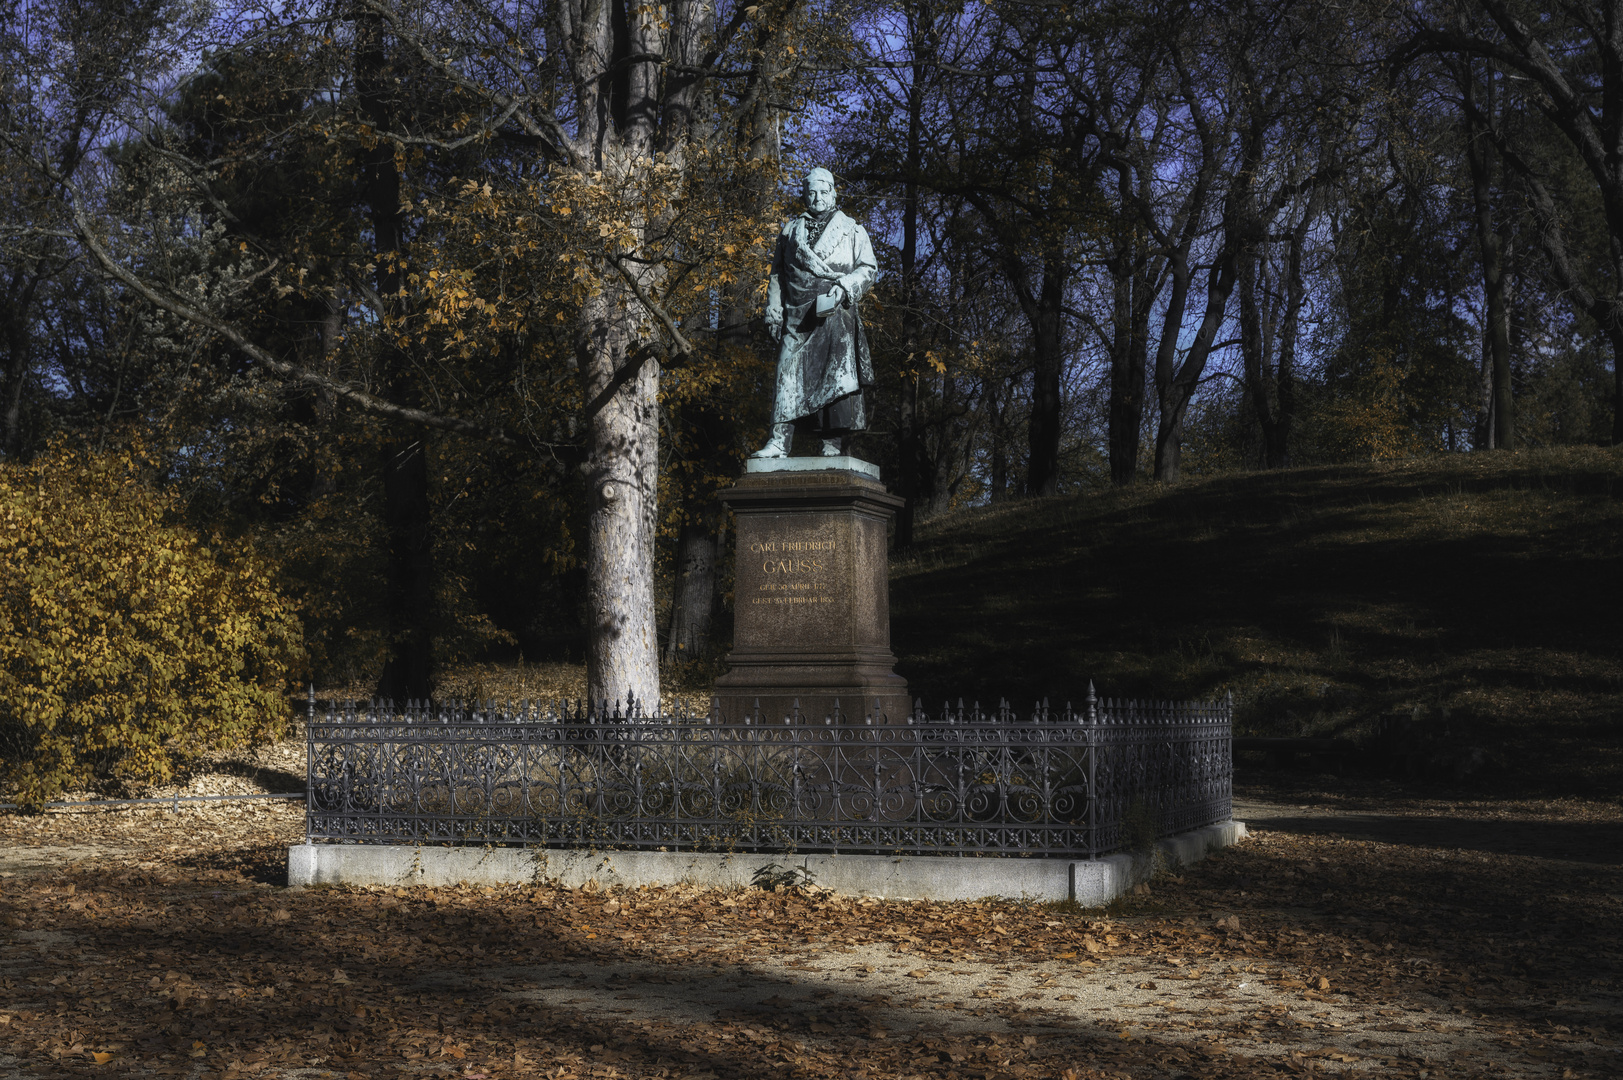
x,y
1093,704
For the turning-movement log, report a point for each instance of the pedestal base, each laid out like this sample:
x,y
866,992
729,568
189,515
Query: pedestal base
x,y
813,688
812,598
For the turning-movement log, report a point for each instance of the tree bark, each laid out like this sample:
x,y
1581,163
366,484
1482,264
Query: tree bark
x,y
1253,352
1046,313
19,365
1496,338
617,90
1270,376
907,448
1000,445
1133,295
1175,391
622,470
705,438
1278,442
694,599
409,670
1169,423
1577,69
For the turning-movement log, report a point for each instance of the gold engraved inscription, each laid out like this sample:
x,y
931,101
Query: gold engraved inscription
x,y
791,566
772,547
782,560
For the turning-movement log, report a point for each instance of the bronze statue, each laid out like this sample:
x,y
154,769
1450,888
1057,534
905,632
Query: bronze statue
x,y
823,267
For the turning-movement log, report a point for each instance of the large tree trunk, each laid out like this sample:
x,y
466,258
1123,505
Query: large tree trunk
x,y
1177,389
16,307
1253,351
622,471
1617,392
617,89
1616,337
694,599
907,449
1169,422
705,439
1277,445
1269,380
1130,324
12,382
1502,406
409,670
1048,348
999,433
907,442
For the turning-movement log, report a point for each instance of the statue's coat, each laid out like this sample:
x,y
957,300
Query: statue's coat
x,y
820,360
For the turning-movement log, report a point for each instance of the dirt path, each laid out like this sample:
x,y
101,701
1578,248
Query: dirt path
x,y
1340,938
1597,840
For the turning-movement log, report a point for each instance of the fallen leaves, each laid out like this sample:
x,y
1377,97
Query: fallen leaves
x,y
185,943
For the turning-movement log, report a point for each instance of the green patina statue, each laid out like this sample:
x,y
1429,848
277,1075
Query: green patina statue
x,y
823,267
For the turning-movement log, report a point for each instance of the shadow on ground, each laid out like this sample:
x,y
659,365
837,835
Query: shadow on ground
x,y
1599,842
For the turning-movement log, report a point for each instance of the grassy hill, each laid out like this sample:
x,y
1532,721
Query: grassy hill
x,y
1476,598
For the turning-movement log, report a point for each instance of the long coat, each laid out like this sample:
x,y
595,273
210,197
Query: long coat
x,y
820,359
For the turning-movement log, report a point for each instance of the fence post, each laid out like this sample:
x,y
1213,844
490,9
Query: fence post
x,y
1091,715
1228,750
309,760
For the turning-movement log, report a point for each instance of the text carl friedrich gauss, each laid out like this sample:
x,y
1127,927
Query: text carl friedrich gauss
x,y
782,559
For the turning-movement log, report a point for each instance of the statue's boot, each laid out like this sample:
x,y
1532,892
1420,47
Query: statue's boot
x,y
832,447
778,445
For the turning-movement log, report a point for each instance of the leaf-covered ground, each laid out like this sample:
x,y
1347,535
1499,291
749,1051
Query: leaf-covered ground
x,y
1353,933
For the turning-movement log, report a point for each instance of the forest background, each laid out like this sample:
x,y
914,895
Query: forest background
x,y
347,340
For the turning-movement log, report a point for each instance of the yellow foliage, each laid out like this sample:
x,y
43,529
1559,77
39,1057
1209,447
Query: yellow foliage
x,y
126,639
1369,419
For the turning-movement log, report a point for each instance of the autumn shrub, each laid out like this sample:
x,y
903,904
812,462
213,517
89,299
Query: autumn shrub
x,y
127,639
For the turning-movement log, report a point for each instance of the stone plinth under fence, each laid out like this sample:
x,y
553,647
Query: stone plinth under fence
x,y
1089,882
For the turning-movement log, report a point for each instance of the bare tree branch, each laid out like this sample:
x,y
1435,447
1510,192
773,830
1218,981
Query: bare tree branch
x,y
369,402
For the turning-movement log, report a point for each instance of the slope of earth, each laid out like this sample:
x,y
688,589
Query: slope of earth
x,y
144,942
1473,597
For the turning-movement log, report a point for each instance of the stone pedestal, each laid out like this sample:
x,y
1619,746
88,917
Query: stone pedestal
x,y
811,598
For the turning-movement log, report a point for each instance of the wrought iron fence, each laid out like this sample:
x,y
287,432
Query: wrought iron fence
x,y
956,782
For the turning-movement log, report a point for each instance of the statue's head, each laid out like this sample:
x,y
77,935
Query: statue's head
x,y
819,191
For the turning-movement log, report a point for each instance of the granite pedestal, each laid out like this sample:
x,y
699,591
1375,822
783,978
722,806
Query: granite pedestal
x,y
811,598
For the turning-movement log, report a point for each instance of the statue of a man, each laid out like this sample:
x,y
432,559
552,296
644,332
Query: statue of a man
x,y
823,267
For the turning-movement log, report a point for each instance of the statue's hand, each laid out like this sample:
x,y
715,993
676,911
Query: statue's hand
x,y
775,328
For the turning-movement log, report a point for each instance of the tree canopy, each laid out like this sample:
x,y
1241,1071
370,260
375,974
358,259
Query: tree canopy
x,y
451,307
